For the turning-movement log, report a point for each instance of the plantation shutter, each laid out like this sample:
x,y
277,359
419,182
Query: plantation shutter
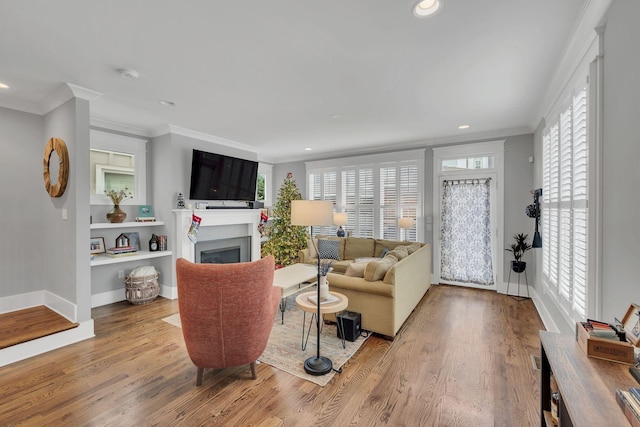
x,y
409,198
580,197
565,207
366,203
388,202
374,192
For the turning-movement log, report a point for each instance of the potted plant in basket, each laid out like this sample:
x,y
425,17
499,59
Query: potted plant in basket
x,y
518,249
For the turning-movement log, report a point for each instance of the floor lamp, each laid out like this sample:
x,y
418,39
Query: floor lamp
x,y
311,213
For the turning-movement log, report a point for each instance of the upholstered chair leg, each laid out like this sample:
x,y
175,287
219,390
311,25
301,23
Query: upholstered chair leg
x,y
199,375
253,370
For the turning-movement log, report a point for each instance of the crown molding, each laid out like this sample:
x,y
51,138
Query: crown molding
x,y
99,123
65,92
177,130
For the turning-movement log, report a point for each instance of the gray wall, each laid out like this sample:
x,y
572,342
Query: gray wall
x,y
23,196
621,149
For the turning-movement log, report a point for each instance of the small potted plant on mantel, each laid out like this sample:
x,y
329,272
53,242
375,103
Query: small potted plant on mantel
x,y
518,249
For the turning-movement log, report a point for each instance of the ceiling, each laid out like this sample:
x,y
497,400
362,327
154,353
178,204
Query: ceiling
x,y
280,76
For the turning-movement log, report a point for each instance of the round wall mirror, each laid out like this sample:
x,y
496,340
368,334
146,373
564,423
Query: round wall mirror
x,y
56,167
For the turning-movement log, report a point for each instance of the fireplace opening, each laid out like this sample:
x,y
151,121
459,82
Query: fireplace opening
x,y
223,251
221,256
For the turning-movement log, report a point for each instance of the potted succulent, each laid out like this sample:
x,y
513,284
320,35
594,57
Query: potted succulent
x,y
518,249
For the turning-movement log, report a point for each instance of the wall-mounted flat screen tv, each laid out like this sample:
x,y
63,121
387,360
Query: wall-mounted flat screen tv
x,y
219,177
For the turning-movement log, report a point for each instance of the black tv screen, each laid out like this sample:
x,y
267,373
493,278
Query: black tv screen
x,y
219,177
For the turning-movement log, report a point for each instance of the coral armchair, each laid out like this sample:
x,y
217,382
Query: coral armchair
x,y
227,312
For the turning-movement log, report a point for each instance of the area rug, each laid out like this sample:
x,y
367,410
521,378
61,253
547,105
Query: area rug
x,y
284,350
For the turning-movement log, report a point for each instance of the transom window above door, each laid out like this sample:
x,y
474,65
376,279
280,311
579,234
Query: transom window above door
x,y
483,162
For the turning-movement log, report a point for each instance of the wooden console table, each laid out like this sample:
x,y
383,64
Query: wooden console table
x,y
587,386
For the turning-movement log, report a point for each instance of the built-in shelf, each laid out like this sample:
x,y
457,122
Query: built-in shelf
x,y
104,260
103,225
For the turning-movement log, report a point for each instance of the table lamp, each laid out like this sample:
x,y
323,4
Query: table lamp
x,y
310,213
340,219
405,223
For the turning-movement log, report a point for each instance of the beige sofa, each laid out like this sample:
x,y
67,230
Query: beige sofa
x,y
384,290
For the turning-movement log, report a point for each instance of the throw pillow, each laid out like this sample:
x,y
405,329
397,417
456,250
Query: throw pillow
x,y
356,269
399,252
384,252
376,270
413,247
328,249
390,277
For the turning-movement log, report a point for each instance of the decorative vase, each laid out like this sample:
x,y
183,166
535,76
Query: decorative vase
x,y
116,214
324,287
518,266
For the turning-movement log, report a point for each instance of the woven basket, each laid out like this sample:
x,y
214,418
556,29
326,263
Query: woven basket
x,y
141,290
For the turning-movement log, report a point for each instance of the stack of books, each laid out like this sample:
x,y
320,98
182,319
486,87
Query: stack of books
x,y
603,330
629,401
122,251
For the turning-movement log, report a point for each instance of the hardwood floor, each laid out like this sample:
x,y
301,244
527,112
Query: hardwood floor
x,y
31,323
463,358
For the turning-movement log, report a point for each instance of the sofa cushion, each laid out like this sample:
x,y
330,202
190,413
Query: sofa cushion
x,y
356,247
390,277
389,244
328,249
376,270
400,252
356,269
414,247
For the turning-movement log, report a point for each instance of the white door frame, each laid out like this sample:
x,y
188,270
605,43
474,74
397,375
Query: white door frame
x,y
495,149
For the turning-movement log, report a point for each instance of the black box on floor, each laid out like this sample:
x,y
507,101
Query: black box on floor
x,y
351,324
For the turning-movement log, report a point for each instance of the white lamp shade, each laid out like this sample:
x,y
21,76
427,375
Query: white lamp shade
x,y
340,218
311,212
405,222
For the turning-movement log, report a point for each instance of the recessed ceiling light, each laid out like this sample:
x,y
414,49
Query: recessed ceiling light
x,y
4,86
426,8
464,127
335,116
128,73
167,103
307,149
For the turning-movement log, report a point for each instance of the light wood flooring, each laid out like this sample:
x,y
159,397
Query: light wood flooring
x,y
463,358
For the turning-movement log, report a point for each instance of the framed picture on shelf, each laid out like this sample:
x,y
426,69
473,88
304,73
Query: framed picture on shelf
x,y
631,324
134,239
145,214
96,245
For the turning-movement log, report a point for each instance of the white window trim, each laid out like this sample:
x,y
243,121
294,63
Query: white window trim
x,y
123,144
492,148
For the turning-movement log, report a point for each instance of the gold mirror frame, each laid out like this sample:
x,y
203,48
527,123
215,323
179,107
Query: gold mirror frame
x,y
57,189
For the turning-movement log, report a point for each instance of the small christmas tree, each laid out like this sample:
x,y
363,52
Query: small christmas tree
x,y
180,204
285,240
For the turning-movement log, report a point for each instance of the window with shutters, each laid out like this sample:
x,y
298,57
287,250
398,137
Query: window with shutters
x,y
564,221
375,191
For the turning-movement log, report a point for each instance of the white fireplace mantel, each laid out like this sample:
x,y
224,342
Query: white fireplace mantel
x,y
250,218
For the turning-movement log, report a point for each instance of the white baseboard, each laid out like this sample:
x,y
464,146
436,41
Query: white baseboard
x,y
32,348
98,300
169,292
547,320
21,301
64,308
